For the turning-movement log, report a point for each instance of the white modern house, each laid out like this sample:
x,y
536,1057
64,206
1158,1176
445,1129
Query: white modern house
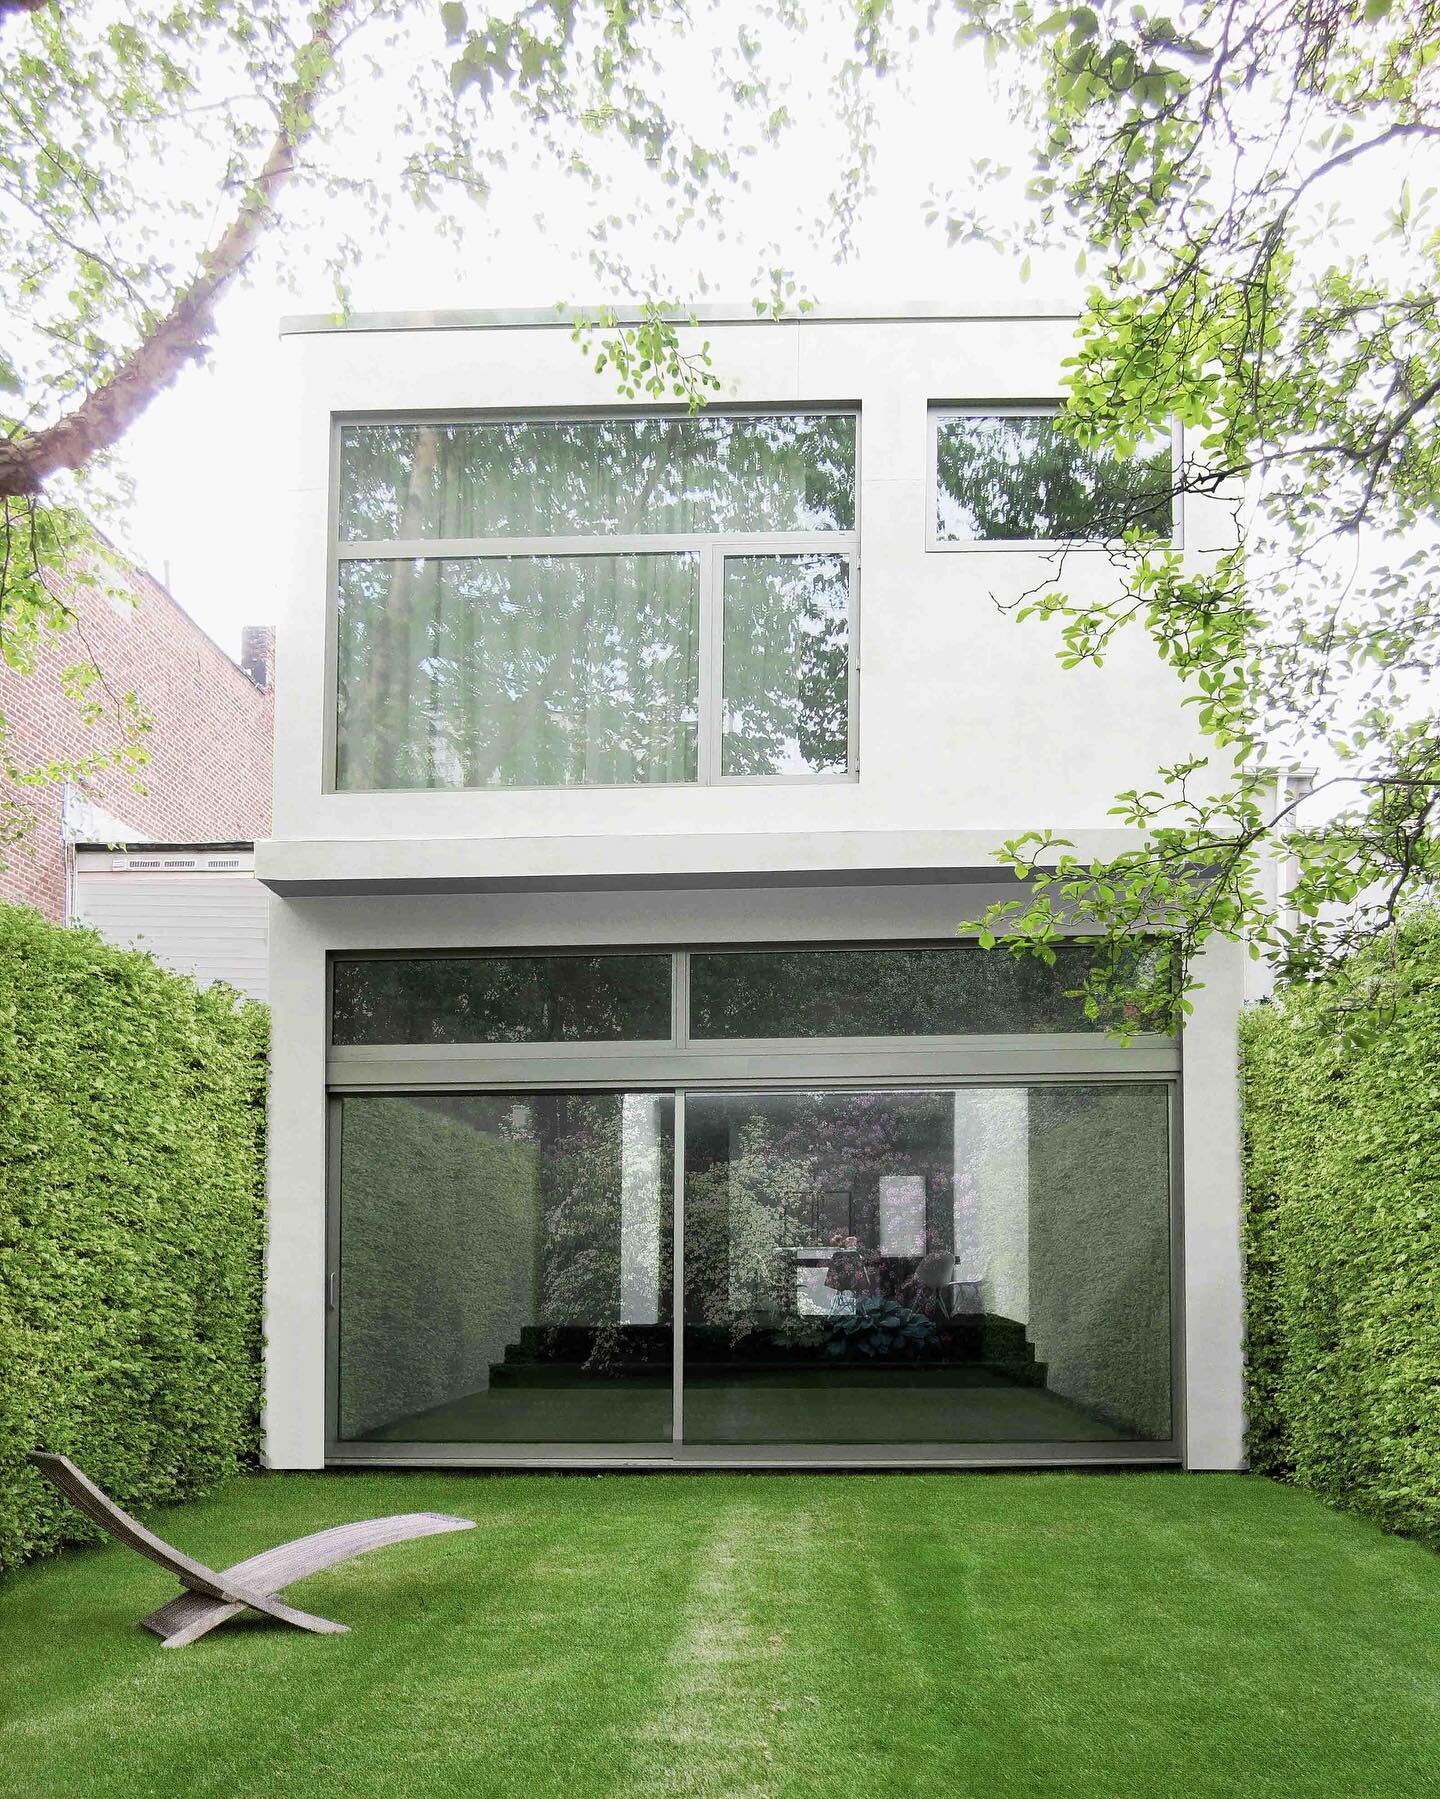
x,y
635,1102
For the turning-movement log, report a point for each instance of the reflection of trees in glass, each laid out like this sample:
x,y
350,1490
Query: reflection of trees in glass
x,y
580,1140
597,477
737,1276
437,1206
758,1171
517,671
786,664
568,670
500,999
883,992
1023,477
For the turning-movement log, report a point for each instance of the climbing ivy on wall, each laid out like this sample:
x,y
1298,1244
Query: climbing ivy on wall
x,y
1342,1234
131,1226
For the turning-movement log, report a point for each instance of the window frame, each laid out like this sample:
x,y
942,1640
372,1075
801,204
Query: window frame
x,y
939,411
685,1060
710,548
676,1451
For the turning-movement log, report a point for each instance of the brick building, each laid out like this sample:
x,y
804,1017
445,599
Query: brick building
x,y
208,774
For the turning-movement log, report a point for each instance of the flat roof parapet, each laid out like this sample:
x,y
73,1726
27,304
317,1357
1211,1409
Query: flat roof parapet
x,y
718,313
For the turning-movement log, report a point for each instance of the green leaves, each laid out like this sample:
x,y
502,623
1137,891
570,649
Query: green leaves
x,y
879,1330
648,357
1342,1249
1299,349
131,1226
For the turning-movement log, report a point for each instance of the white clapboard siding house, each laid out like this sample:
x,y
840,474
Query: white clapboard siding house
x,y
196,907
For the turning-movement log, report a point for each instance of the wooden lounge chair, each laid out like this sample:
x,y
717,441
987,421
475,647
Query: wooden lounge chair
x,y
210,1598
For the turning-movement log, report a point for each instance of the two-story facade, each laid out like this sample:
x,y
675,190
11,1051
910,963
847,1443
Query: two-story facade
x,y
635,1102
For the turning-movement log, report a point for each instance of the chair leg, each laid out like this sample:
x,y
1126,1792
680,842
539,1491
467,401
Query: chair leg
x,y
186,1619
190,1616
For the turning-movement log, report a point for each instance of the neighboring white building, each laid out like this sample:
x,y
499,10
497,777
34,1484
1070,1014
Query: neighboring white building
x,y
633,1100
196,907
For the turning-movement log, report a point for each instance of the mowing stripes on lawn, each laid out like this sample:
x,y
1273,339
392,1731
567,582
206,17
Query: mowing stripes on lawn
x,y
761,1637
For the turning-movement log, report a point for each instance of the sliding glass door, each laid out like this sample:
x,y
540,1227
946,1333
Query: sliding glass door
x,y
505,1268
904,1195
962,1266
966,1266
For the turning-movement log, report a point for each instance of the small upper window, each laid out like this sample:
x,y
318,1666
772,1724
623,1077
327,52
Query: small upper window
x,y
1015,477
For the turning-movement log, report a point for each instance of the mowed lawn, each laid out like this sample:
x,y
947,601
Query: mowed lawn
x,y
764,1635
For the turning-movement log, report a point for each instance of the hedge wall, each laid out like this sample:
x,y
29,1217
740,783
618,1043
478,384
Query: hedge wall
x,y
1342,1241
131,1157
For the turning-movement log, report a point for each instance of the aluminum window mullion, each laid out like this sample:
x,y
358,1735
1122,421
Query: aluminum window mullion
x,y
662,1065
680,997
712,722
330,673
852,679
677,1279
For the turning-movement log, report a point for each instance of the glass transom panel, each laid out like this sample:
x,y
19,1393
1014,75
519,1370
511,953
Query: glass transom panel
x,y
500,999
946,990
715,473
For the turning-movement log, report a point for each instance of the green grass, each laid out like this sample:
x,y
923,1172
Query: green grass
x,y
734,1636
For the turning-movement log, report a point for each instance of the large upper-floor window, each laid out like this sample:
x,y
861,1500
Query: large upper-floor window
x,y
606,601
1011,477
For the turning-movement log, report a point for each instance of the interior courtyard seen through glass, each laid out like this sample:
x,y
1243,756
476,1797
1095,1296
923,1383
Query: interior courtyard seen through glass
x,y
943,1263
594,601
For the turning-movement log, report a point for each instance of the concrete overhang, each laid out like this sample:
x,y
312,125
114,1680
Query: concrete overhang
x,y
402,866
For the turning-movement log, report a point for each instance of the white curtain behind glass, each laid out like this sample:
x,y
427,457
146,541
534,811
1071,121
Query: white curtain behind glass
x,y
598,477
518,671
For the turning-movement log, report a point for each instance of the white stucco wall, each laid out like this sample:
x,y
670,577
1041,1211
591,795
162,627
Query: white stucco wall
x,y
1210,1152
966,720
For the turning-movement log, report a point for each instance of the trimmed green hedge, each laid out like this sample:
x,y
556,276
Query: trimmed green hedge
x,y
131,1158
1342,1241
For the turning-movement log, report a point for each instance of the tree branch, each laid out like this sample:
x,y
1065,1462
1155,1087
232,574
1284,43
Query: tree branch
x,y
179,338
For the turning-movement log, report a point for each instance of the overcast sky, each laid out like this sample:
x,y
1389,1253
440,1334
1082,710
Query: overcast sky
x,y
202,459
